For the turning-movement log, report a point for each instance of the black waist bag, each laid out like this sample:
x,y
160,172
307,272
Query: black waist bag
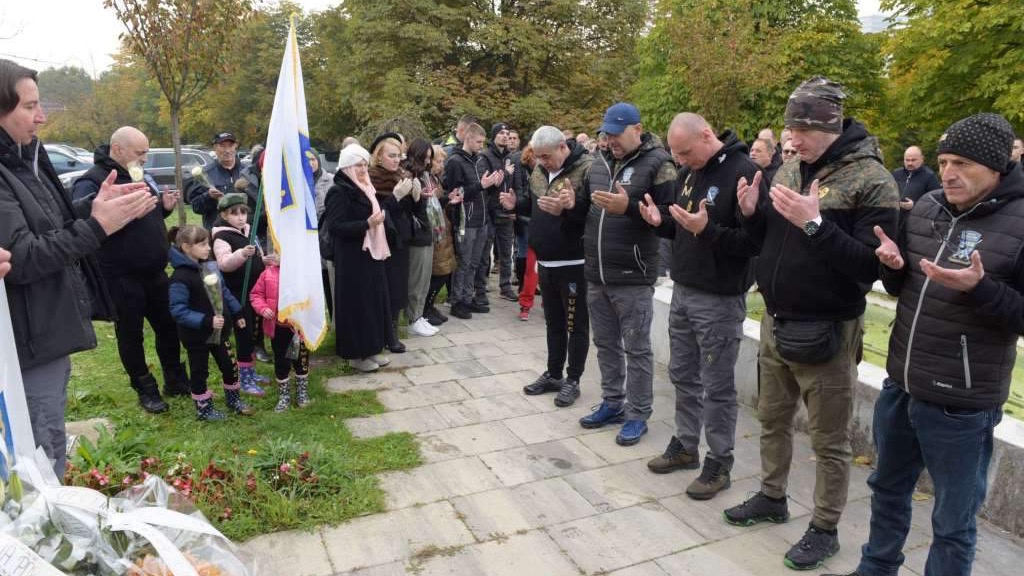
x,y
806,341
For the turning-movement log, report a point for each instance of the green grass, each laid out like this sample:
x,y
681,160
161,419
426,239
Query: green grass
x,y
877,326
244,493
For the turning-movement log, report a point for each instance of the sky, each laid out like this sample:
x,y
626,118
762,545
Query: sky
x,y
44,34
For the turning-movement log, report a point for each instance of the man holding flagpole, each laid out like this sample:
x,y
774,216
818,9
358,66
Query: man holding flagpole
x,y
291,206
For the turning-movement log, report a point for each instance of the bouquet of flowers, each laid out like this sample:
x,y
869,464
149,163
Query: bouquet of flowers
x,y
148,530
215,292
199,176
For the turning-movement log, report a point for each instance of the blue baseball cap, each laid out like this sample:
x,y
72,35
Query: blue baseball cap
x,y
618,116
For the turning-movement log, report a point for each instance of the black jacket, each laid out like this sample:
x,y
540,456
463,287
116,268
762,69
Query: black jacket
x,y
141,246
460,171
555,238
55,285
237,240
490,160
198,195
190,304
914,184
623,248
950,347
718,259
771,169
825,276
251,173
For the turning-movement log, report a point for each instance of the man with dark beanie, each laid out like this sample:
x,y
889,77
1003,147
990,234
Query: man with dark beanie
x,y
500,233
816,264
958,270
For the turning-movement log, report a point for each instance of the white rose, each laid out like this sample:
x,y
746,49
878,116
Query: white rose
x,y
210,279
197,171
136,172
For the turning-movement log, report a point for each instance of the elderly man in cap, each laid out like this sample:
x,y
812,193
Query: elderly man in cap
x,y
220,179
958,269
620,255
817,262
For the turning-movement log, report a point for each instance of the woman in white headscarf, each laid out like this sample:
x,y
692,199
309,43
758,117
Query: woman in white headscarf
x,y
358,228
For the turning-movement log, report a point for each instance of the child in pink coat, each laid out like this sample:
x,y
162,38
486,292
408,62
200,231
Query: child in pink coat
x,y
264,298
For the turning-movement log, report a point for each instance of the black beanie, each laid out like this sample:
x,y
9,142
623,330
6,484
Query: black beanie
x,y
495,128
383,137
985,138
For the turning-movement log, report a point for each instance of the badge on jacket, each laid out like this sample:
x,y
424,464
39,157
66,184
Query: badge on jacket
x,y
712,193
969,240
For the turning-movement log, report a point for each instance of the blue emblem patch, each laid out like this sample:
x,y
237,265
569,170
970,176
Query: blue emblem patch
x,y
712,193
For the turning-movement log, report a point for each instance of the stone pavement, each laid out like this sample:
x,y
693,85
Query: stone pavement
x,y
513,486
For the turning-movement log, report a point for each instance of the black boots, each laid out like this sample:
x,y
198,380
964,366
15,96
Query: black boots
x,y
149,394
394,344
176,381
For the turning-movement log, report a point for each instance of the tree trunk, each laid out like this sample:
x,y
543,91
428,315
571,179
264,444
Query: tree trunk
x,y
178,181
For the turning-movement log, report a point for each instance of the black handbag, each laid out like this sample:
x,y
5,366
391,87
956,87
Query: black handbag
x,y
806,341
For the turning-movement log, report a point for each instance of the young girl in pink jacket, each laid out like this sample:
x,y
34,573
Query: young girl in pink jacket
x,y
264,302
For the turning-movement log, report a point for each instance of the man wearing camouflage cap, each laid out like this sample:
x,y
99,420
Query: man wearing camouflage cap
x,y
958,270
817,262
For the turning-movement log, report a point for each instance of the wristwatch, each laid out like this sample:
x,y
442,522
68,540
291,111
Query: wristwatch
x,y
811,226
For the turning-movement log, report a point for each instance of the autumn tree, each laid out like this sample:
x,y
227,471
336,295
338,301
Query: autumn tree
x,y
186,45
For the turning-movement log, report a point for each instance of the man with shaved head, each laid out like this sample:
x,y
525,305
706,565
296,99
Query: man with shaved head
x,y
133,261
914,179
710,268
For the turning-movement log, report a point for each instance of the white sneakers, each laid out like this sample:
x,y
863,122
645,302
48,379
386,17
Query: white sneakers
x,y
364,365
421,327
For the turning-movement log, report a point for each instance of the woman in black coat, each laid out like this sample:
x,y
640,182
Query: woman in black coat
x,y
358,229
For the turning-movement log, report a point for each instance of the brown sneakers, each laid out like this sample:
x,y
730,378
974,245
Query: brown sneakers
x,y
675,458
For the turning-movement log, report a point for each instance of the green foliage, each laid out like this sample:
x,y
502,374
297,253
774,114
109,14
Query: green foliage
x,y
950,59
66,85
233,469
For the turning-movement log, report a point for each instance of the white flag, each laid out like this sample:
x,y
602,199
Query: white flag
x,y
288,191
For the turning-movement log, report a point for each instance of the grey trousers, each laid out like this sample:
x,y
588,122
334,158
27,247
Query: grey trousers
x,y
470,248
704,332
620,321
421,260
46,393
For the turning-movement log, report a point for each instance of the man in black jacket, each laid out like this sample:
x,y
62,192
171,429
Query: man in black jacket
x,y
562,166
462,177
620,251
914,179
220,178
500,233
710,268
133,262
816,264
53,284
959,273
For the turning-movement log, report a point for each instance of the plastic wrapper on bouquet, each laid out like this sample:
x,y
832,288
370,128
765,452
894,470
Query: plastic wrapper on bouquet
x,y
146,530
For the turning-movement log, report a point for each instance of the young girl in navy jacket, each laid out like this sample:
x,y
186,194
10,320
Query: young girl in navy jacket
x,y
193,289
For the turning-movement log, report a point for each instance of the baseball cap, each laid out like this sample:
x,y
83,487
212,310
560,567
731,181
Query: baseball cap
x,y
224,137
618,116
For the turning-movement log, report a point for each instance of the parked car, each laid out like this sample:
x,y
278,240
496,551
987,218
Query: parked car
x,y
69,150
67,179
64,162
160,164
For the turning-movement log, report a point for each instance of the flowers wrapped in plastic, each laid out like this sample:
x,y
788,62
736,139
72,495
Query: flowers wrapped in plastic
x,y
147,530
214,290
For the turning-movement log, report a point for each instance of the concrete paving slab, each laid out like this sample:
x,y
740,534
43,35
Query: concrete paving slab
x,y
644,569
466,441
409,359
425,395
294,552
414,420
508,383
628,484
997,553
492,335
652,444
539,461
389,569
756,553
438,341
530,553
438,481
528,506
510,363
516,347
465,352
706,516
445,372
486,409
625,537
555,425
371,381
394,536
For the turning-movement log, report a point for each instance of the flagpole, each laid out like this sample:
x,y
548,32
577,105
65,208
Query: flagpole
x,y
252,236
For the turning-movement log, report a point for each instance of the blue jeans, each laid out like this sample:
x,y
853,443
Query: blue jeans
x,y
955,445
